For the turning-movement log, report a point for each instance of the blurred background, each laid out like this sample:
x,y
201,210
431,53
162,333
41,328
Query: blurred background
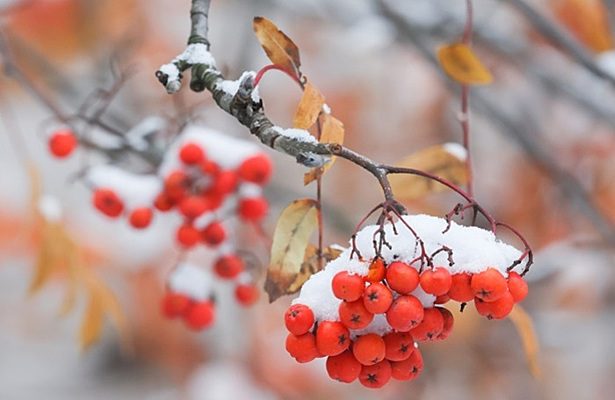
x,y
544,157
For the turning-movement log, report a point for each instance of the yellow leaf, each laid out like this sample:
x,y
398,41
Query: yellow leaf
x,y
461,64
309,107
332,132
280,49
446,161
525,328
91,325
290,241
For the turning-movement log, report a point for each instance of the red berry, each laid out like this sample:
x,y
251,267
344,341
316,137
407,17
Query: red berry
x,y
224,183
253,209
369,349
213,234
442,299
256,169
347,287
408,369
210,168
489,285
107,202
163,202
175,305
517,286
141,217
228,266
405,313
246,295
375,376
299,319
191,154
344,367
193,206
402,278
449,321
302,348
200,315
377,298
354,315
461,290
398,346
332,338
430,327
175,186
62,143
188,235
376,271
436,281
497,309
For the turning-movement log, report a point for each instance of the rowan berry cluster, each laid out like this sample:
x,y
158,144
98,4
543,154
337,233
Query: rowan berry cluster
x,y
404,301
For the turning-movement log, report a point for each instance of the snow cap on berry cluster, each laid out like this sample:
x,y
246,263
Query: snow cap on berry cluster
x,y
191,281
135,190
474,250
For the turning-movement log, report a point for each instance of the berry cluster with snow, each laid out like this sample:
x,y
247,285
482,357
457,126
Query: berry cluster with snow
x,y
367,314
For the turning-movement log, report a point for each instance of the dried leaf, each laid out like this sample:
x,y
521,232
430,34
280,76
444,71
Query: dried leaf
x,y
311,265
446,161
525,328
588,20
92,323
290,241
309,107
332,132
280,49
461,64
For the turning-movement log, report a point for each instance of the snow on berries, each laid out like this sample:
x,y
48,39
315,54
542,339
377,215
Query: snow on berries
x,y
368,310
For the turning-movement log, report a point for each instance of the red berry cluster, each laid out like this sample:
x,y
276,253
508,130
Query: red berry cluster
x,y
388,290
196,314
62,143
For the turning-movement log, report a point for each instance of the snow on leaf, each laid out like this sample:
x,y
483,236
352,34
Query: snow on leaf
x,y
280,49
523,323
290,242
437,160
309,107
332,132
461,64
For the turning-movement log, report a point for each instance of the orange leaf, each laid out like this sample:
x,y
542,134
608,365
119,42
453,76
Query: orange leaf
x,y
309,107
332,132
525,328
461,64
587,20
280,49
92,323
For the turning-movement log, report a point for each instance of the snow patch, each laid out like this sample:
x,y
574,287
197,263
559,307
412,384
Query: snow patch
x,y
192,281
135,190
456,150
50,208
297,134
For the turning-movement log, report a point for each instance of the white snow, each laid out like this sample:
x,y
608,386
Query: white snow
x,y
297,134
231,87
135,190
456,150
171,71
50,208
249,190
197,54
137,135
192,281
474,250
606,61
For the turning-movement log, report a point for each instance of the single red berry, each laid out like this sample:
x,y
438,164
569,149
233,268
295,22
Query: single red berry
x,y
107,202
191,153
175,185
253,209
430,327
200,315
369,349
246,295
517,286
408,369
497,309
140,218
347,286
302,348
187,235
377,298
449,321
376,271
213,234
343,367
398,345
354,315
375,376
228,266
175,305
461,289
163,202
402,278
193,206
299,319
332,338
210,168
442,299
62,143
224,183
256,169
436,281
489,285
405,313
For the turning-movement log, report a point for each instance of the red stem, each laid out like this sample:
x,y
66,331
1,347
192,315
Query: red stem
x,y
262,71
